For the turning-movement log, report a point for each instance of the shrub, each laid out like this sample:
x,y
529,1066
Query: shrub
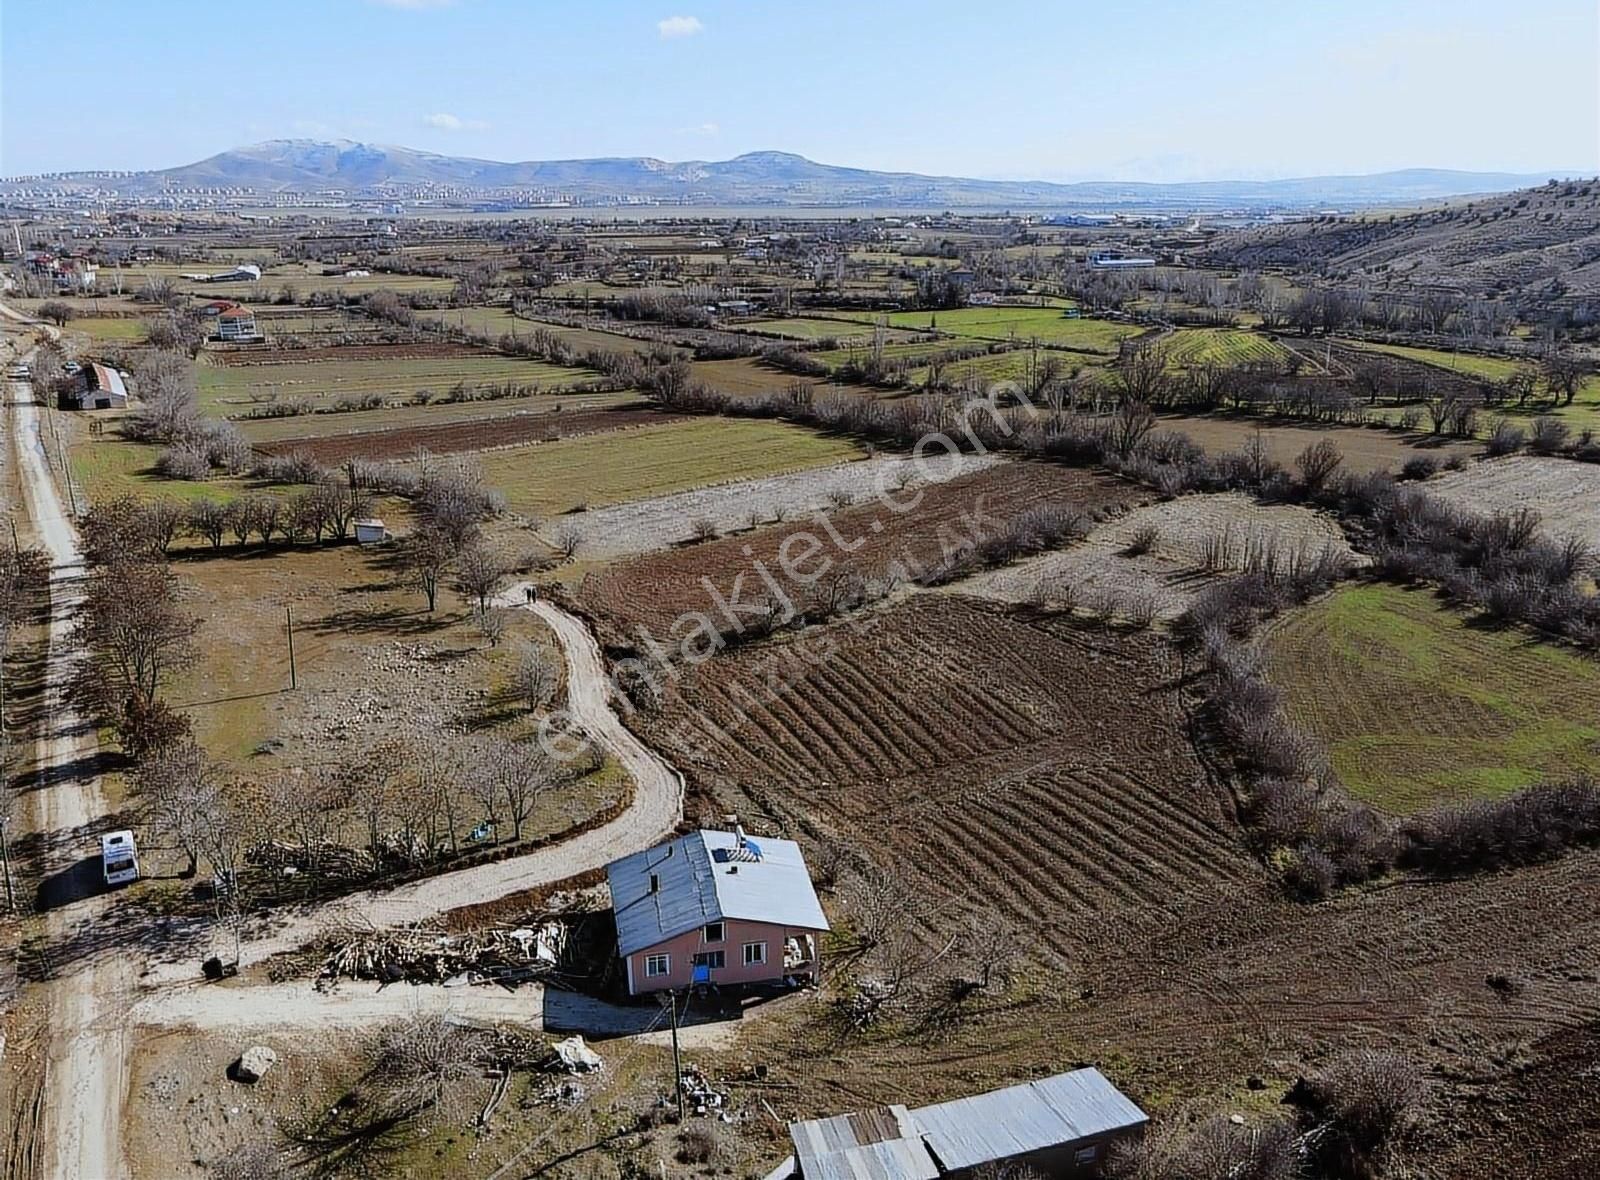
x,y
1419,467
1549,436
1143,540
1506,438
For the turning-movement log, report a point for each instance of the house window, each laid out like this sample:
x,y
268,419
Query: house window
x,y
1085,1155
714,932
712,959
657,965
755,953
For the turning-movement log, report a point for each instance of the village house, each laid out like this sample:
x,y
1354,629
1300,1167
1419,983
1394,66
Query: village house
x,y
234,323
715,908
1060,1126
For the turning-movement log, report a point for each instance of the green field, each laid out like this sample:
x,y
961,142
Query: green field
x,y
108,329
1418,705
800,328
1016,324
233,389
108,467
306,279
1222,346
551,478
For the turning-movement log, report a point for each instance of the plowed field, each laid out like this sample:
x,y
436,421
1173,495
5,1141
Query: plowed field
x,y
871,538
1031,770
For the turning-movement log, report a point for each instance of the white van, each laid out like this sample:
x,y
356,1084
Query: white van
x,y
119,860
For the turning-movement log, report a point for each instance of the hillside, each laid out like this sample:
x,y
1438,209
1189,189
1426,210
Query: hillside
x,y
757,178
1540,243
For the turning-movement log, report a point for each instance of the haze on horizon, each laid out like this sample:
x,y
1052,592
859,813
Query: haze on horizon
x,y
1154,90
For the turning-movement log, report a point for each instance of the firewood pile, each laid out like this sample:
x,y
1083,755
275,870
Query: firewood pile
x,y
426,954
330,859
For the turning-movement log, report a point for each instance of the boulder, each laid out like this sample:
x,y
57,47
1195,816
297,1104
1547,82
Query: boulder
x,y
253,1064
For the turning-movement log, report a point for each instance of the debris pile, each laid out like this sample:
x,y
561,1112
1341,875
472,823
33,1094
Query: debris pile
x,y
698,1092
253,1064
573,1056
421,954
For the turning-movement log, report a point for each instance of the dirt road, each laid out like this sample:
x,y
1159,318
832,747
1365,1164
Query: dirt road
x,y
657,805
83,1107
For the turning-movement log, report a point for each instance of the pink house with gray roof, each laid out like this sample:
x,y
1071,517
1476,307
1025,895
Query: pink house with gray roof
x,y
715,908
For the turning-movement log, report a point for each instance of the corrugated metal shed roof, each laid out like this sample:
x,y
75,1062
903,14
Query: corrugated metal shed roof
x,y
878,1144
1021,1119
706,877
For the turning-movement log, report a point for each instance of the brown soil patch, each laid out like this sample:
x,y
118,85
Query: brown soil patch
x,y
871,538
477,435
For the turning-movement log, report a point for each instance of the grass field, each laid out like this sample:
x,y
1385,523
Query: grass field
x,y
232,389
305,278
800,328
1046,324
108,467
557,477
103,330
1417,705
1222,346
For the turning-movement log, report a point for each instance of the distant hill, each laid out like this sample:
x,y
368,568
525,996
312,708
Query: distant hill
x,y
1542,243
767,178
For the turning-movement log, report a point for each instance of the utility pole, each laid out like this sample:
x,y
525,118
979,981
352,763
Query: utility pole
x,y
288,618
677,1061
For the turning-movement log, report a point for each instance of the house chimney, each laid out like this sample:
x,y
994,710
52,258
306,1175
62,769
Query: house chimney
x,y
738,834
655,883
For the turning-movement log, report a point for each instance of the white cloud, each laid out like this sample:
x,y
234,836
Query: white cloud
x,y
679,26
700,129
447,122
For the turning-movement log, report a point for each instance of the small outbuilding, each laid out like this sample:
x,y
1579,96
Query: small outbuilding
x,y
371,531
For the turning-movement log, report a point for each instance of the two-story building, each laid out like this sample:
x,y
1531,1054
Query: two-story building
x,y
715,908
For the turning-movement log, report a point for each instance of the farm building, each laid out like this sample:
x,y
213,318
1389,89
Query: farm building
x,y
1060,1126
371,531
95,387
715,908
1104,260
239,274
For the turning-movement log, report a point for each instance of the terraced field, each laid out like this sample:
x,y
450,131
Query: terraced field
x,y
1417,705
265,431
1039,774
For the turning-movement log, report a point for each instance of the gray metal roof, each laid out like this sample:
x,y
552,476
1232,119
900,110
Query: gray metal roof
x,y
708,876
878,1144
1019,1119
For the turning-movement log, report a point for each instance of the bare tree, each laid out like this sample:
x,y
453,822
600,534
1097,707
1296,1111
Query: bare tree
x,y
209,519
569,537
514,773
426,557
134,629
480,574
1316,465
182,789
1128,426
535,677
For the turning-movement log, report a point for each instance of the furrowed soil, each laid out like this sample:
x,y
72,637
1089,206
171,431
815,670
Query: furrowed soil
x,y
1024,769
1021,769
888,537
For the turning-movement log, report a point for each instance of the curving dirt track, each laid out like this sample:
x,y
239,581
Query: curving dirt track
x,y
656,808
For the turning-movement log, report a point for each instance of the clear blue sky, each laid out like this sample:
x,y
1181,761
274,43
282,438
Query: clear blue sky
x,y
1133,89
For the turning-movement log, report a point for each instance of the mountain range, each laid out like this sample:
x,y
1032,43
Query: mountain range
x,y
760,178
